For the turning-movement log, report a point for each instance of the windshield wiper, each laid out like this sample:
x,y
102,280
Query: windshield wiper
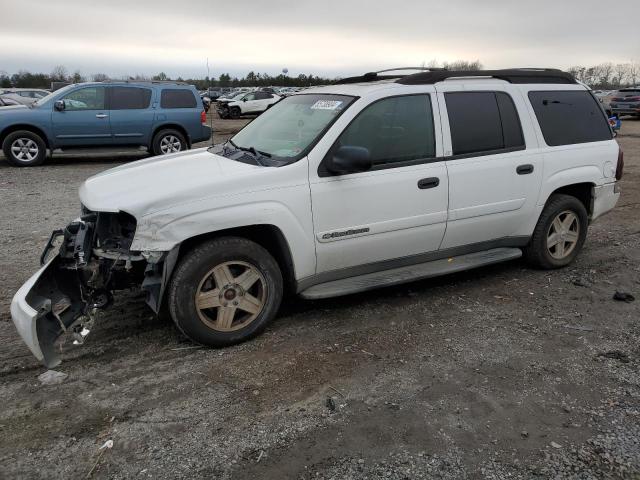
x,y
250,150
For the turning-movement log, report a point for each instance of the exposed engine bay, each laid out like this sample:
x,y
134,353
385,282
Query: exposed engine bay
x,y
93,261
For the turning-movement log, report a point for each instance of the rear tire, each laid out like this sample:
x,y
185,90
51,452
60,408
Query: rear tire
x,y
168,141
559,234
24,148
225,291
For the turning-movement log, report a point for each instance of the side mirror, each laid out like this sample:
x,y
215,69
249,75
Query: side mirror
x,y
244,99
59,105
349,159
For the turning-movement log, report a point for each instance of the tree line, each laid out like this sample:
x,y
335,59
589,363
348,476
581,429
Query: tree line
x,y
608,75
603,76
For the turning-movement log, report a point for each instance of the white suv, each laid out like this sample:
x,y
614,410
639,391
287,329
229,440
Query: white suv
x,y
373,181
246,104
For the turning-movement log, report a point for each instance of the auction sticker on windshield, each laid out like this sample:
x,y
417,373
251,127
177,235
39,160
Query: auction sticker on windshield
x,y
326,105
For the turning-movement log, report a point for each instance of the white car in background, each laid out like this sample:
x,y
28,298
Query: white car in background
x,y
246,103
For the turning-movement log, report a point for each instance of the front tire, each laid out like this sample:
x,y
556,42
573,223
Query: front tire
x,y
168,141
234,112
225,291
24,149
559,234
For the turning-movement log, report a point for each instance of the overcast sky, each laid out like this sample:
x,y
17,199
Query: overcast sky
x,y
329,37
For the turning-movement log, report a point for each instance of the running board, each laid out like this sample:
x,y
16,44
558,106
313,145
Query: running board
x,y
410,273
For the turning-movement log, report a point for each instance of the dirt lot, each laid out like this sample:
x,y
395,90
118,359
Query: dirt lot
x,y
502,372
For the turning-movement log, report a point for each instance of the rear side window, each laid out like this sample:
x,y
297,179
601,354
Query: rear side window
x,y
394,130
483,122
177,98
569,117
129,98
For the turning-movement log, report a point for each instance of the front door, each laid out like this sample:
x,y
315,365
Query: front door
x,y
395,211
495,169
84,121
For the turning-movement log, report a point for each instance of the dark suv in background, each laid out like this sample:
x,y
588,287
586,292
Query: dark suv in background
x,y
626,102
164,117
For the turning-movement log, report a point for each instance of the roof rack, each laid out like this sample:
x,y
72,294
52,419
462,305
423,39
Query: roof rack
x,y
433,75
169,82
511,75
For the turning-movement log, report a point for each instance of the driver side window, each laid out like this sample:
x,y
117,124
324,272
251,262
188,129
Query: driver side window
x,y
394,130
89,98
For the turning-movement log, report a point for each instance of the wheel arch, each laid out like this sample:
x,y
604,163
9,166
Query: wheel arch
x,y
268,236
583,191
25,126
171,126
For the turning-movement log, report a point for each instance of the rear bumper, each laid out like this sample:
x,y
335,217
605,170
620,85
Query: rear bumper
x,y
626,110
605,198
205,135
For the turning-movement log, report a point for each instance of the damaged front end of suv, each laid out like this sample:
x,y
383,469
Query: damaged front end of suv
x,y
94,259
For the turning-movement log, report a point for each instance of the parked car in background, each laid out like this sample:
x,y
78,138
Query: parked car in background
x,y
212,93
35,93
6,101
626,101
245,104
375,181
164,117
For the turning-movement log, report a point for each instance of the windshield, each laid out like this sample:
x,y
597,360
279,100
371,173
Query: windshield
x,y
289,128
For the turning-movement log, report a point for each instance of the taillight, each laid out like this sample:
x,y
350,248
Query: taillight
x,y
620,166
203,117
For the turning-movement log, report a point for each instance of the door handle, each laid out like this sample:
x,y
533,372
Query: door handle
x,y
101,115
524,169
430,182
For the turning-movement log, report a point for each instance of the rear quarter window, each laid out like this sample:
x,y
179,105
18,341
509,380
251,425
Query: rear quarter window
x,y
569,117
177,98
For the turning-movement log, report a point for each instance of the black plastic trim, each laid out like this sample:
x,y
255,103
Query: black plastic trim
x,y
358,270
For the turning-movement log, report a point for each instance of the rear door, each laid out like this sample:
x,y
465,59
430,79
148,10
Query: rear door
x,y
131,114
494,164
180,106
84,120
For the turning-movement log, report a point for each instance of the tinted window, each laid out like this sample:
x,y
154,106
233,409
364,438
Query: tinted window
x,y
263,95
569,117
177,98
483,121
129,98
396,129
90,98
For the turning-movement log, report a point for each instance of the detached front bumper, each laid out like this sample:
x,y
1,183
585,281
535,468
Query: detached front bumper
x,y
25,316
42,311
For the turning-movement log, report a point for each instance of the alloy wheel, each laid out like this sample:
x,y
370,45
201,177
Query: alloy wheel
x,y
231,296
563,235
170,144
24,149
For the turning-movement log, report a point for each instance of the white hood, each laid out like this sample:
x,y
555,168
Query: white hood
x,y
154,184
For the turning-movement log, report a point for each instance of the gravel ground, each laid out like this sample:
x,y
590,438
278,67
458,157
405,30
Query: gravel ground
x,y
501,372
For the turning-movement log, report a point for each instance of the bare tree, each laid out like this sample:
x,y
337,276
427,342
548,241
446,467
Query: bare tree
x,y
463,65
100,77
59,74
77,77
603,73
634,72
